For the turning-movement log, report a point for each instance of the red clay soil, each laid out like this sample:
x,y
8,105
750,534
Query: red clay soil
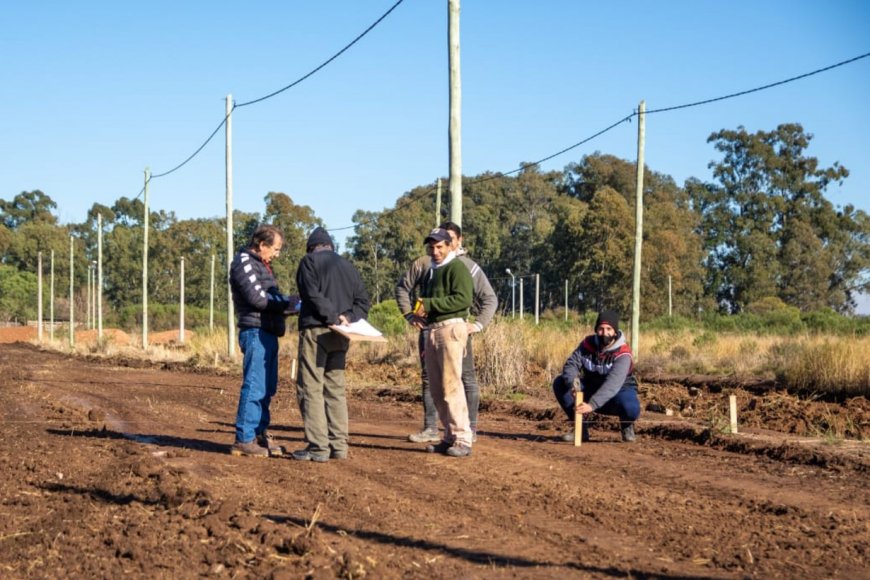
x,y
110,470
10,334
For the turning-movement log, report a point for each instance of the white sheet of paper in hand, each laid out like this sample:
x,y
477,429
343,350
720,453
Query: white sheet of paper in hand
x,y
361,327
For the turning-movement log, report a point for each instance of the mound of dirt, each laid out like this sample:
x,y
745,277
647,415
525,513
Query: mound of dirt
x,y
11,334
112,335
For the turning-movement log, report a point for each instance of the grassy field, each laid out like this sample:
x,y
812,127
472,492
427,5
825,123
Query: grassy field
x,y
514,356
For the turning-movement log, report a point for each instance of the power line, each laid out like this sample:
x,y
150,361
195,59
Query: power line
x,y
404,202
270,95
326,62
195,153
617,123
757,89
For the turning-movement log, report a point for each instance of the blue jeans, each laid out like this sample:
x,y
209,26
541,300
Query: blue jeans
x,y
624,403
259,382
469,382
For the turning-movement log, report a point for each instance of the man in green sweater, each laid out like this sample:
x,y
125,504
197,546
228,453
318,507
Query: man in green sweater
x,y
446,298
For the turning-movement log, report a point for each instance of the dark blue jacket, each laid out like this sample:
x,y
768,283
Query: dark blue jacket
x,y
258,302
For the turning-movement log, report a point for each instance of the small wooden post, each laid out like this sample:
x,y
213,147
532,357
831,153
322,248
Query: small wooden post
x,y
578,418
732,404
293,369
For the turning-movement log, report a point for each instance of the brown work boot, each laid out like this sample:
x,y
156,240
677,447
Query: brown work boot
x,y
250,449
266,440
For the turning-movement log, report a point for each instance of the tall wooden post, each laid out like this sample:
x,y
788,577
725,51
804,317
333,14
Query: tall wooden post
x,y
231,315
99,276
51,300
145,220
181,306
670,298
522,302
72,310
638,232
455,129
88,298
211,297
438,203
537,298
39,299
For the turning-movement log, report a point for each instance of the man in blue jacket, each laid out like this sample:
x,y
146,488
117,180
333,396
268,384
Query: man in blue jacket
x,y
605,367
260,310
332,293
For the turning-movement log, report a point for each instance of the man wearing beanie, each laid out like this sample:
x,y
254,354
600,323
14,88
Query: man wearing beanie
x,y
604,364
332,293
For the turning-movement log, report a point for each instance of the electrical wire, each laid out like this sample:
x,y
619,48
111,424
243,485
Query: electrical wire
x,y
757,89
270,95
326,62
617,123
195,153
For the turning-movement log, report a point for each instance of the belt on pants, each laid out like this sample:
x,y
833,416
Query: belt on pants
x,y
447,322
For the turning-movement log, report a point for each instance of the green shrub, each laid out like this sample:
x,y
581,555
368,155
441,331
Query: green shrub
x,y
670,323
387,318
166,317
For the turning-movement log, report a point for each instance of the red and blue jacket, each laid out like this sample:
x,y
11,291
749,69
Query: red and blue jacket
x,y
603,372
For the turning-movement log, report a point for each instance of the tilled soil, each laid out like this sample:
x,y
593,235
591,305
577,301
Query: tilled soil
x,y
111,470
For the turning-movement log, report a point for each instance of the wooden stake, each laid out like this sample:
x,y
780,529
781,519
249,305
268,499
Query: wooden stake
x,y
293,369
578,418
732,403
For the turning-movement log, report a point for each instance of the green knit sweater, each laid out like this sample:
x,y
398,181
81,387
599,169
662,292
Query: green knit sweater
x,y
448,293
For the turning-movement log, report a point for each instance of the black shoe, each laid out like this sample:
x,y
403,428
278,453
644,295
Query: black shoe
x,y
627,431
441,447
306,455
338,454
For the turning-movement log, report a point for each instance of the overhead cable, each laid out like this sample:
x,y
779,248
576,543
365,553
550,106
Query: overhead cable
x,y
636,113
757,89
326,62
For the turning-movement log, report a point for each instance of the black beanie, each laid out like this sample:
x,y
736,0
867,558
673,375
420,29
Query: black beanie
x,y
610,317
318,237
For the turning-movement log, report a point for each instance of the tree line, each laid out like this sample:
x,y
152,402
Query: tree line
x,y
762,229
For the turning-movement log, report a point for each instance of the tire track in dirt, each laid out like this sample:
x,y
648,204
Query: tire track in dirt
x,y
524,505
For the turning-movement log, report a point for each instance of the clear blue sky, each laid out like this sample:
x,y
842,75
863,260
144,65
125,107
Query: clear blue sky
x,y
97,91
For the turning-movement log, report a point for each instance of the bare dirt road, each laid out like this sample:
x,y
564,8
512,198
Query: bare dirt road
x,y
111,470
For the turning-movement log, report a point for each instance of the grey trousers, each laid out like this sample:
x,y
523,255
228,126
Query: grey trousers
x,y
320,390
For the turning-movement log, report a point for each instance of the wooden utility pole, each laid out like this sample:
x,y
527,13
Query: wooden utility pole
x,y
88,298
638,232
438,203
522,302
51,300
231,315
181,306
455,129
211,297
39,294
145,220
566,301
99,276
72,322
